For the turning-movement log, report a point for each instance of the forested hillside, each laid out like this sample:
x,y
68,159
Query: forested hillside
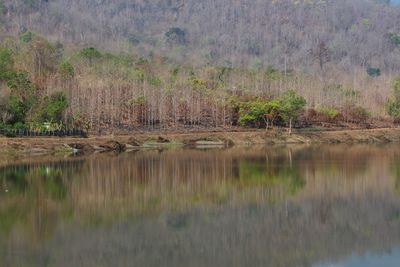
x,y
127,64
246,32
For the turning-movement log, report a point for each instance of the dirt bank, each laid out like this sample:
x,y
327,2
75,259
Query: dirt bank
x,y
40,145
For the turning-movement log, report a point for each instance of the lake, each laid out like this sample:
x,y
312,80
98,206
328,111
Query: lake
x,y
294,206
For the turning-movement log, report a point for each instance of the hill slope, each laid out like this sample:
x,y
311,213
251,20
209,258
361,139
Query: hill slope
x,y
304,34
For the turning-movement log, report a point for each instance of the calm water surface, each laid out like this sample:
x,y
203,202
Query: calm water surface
x,y
293,206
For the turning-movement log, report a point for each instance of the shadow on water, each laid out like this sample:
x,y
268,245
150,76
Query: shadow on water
x,y
264,206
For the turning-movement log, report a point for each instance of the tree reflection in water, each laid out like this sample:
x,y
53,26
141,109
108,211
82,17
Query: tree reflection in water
x,y
274,206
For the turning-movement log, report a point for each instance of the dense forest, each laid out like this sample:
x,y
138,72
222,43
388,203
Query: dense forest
x,y
118,64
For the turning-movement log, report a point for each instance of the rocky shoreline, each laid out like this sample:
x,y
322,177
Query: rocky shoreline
x,y
160,140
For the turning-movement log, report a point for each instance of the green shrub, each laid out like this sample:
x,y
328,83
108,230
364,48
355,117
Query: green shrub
x,y
357,114
175,35
133,39
19,125
272,74
393,105
396,89
154,81
394,38
140,100
66,70
26,36
373,72
253,48
393,109
10,133
329,112
90,53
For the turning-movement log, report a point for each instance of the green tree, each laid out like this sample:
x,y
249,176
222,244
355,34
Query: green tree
x,y
53,107
175,35
393,109
291,104
272,110
66,70
17,108
22,96
6,63
373,72
394,38
3,8
259,112
133,39
393,105
90,53
272,74
26,36
252,113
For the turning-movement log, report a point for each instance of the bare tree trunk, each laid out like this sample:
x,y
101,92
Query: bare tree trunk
x,y
266,121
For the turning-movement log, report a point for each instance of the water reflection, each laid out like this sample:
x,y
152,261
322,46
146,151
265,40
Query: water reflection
x,y
390,258
271,206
